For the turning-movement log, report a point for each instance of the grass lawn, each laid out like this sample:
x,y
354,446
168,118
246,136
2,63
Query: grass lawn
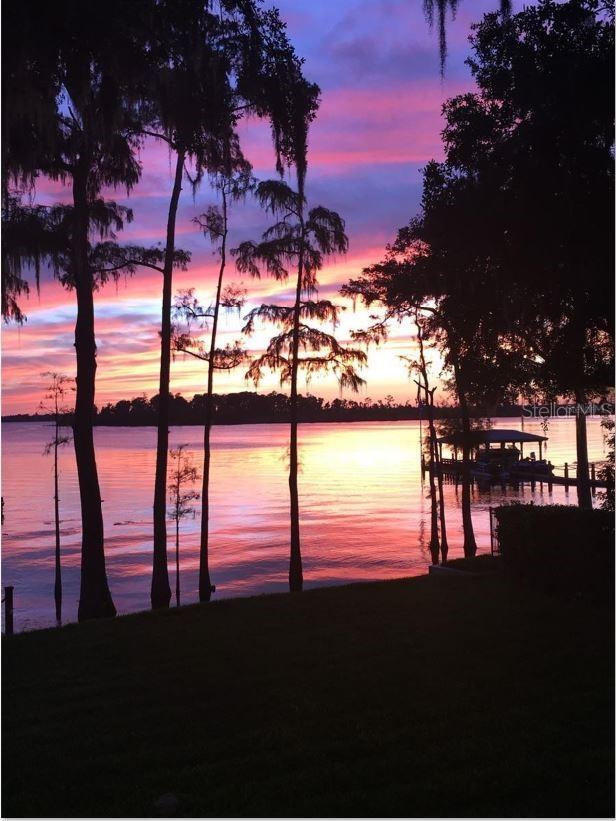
x,y
421,697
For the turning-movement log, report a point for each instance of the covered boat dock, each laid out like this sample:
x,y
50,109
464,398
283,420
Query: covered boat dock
x,y
497,455
493,436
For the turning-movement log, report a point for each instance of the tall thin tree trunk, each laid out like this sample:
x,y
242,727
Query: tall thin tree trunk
x,y
470,545
437,458
177,560
296,576
95,599
581,442
57,589
205,582
434,542
441,494
161,592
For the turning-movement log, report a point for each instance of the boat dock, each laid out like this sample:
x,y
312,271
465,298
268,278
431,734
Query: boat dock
x,y
497,457
452,469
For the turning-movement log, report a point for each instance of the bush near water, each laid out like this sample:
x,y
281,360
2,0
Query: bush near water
x,y
559,548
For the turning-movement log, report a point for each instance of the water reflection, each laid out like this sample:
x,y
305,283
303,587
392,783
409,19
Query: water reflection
x,y
365,512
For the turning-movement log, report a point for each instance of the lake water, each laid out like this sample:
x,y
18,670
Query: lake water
x,y
364,511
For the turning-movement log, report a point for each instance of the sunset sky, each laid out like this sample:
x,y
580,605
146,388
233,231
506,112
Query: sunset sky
x,y
378,67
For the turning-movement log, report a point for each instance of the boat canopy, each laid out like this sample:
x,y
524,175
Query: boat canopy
x,y
492,437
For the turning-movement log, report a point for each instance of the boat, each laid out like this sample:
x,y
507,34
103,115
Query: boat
x,y
497,455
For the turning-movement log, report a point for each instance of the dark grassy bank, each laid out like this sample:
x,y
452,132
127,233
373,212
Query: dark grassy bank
x,y
420,697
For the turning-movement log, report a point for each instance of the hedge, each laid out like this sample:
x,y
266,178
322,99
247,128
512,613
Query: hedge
x,y
559,548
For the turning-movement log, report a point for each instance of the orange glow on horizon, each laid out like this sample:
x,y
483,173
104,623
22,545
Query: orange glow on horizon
x,y
128,354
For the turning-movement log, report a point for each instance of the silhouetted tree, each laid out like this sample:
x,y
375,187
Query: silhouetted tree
x,y
428,393
214,65
300,242
32,235
552,207
377,285
74,75
510,245
428,396
42,233
232,183
191,88
54,403
31,84
414,277
183,475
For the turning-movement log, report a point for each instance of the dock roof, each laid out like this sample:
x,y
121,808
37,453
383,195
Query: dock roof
x,y
493,436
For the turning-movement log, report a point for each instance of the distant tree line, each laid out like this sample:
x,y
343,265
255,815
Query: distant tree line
x,y
249,407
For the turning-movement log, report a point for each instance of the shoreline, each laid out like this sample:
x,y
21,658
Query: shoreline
x,y
485,559
233,423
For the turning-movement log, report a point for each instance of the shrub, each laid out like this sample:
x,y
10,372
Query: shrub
x,y
559,548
